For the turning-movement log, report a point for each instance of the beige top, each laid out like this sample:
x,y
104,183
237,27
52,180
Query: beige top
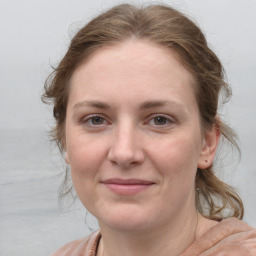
x,y
229,237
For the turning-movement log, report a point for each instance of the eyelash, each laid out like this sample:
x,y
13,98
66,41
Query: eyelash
x,y
167,120
88,120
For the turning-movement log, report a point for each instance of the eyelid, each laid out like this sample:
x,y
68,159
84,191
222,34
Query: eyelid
x,y
167,117
84,120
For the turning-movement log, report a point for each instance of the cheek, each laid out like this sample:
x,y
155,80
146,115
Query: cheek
x,y
177,151
86,159
177,164
86,156
176,160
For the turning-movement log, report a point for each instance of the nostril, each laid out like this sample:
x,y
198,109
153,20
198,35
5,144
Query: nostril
x,y
125,150
123,159
126,158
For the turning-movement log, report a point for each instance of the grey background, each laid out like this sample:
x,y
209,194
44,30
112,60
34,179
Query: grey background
x,y
34,35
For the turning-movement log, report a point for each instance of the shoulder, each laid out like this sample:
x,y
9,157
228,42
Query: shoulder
x,y
86,246
229,237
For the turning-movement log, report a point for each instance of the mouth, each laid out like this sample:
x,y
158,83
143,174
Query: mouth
x,y
127,187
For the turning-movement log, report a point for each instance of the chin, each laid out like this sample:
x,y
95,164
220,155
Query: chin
x,y
127,226
128,219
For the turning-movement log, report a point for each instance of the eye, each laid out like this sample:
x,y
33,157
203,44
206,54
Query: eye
x,y
93,121
97,120
160,120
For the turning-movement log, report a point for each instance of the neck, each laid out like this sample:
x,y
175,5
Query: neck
x,y
168,239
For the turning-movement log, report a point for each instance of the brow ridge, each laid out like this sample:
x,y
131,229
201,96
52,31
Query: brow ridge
x,y
144,105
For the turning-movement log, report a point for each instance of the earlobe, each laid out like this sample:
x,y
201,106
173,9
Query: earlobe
x,y
209,147
66,158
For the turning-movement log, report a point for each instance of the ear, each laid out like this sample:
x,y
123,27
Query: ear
x,y
67,158
209,147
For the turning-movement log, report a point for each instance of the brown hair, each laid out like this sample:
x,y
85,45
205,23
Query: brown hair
x,y
168,27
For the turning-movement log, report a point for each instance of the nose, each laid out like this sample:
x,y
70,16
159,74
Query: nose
x,y
126,147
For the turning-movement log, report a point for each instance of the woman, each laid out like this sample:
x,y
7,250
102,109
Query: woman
x,y
135,101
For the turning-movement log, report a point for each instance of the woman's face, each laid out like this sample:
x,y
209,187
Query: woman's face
x,y
133,137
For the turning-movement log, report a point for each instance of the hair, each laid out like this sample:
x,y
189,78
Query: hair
x,y
171,29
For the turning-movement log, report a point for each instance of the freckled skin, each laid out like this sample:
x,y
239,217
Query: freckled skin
x,y
127,143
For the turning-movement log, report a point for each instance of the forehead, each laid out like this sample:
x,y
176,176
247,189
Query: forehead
x,y
134,53
134,66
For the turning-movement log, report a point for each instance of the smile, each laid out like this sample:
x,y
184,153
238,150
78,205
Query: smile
x,y
127,187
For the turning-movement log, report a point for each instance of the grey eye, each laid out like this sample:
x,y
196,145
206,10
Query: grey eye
x,y
160,120
97,120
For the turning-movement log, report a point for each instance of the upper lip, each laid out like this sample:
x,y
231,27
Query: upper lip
x,y
127,181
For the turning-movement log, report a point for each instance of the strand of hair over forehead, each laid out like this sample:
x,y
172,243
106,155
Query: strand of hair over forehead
x,y
168,27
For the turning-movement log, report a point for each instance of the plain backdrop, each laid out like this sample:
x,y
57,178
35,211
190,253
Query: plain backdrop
x,y
35,35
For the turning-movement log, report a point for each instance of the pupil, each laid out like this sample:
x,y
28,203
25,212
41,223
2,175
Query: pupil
x,y
97,120
160,120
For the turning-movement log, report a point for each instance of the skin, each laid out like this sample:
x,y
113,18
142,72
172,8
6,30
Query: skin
x,y
132,114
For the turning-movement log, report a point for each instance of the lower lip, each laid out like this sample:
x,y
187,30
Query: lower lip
x,y
128,190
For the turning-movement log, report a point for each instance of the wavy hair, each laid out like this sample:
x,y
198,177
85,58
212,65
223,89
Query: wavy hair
x,y
171,29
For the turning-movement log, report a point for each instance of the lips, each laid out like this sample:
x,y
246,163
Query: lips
x,y
127,187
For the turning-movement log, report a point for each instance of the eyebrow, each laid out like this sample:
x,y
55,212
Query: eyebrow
x,y
145,105
93,103
158,103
